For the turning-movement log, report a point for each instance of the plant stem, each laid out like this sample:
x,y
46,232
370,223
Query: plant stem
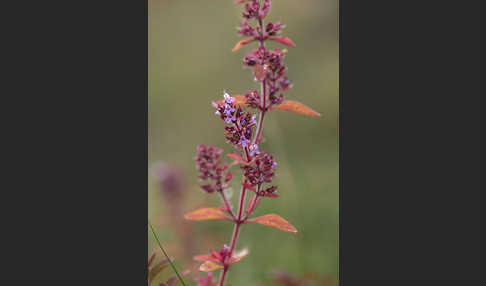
x,y
166,256
236,230
241,205
228,205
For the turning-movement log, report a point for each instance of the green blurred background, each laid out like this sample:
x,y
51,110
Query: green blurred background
x,y
190,63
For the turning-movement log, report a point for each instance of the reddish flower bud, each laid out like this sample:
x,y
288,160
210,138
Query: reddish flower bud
x,y
253,99
228,178
262,171
208,164
245,30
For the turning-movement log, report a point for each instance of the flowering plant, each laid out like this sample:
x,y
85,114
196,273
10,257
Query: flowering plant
x,y
244,132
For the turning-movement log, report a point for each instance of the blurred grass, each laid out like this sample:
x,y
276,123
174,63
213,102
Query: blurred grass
x,y
190,63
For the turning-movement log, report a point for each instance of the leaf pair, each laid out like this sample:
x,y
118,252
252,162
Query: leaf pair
x,y
271,220
286,105
211,263
281,40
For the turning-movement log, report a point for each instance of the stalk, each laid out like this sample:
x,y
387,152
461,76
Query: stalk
x,y
239,221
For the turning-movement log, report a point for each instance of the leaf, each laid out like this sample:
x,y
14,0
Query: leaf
x,y
173,280
240,100
283,40
205,257
238,159
275,221
238,256
296,107
242,43
240,2
157,269
260,71
206,214
209,266
151,259
272,195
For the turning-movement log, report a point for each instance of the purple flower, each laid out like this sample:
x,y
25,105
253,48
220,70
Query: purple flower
x,y
253,120
254,150
228,99
229,119
243,141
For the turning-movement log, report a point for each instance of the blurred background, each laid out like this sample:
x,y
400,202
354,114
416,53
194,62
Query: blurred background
x,y
190,63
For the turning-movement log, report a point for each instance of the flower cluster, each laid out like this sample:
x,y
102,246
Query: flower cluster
x,y
261,171
169,180
245,30
274,29
241,129
253,99
275,77
208,164
253,9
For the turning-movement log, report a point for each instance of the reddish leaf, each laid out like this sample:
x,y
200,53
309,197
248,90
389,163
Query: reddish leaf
x,y
283,40
238,159
240,100
205,257
156,269
206,214
272,195
242,43
151,259
260,71
238,256
217,255
223,208
296,107
240,2
275,221
235,156
209,266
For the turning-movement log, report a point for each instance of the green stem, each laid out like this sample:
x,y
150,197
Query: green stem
x,y
166,256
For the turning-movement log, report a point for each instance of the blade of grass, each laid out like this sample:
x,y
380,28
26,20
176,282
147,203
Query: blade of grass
x,y
166,256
